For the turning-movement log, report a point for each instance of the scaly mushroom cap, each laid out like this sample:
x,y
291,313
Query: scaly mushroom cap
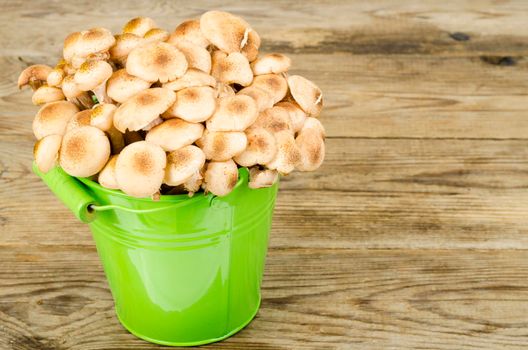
x,y
46,94
274,119
288,154
261,148
259,178
102,116
314,123
263,99
84,151
194,104
89,42
121,86
34,76
297,115
106,177
271,63
221,177
46,152
55,76
182,164
233,69
124,43
175,133
273,84
307,95
91,74
142,108
156,61
224,30
197,57
156,34
310,142
222,145
140,169
251,46
70,45
192,78
70,88
79,119
52,118
189,31
139,26
234,113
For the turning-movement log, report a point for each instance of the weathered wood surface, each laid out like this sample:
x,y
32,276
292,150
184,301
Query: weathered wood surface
x,y
413,234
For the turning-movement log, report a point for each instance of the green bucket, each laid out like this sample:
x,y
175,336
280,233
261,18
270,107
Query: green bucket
x,y
182,271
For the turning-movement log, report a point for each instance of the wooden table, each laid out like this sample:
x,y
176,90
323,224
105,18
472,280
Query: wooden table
x,y
414,233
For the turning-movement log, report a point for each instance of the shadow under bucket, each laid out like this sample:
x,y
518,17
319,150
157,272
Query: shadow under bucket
x,y
182,271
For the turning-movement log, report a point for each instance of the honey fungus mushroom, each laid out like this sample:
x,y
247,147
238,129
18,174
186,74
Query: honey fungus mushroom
x,y
224,30
46,152
121,86
107,177
175,133
259,178
93,43
232,69
139,26
79,119
193,104
271,63
182,164
234,113
221,177
310,143
273,84
192,78
261,148
52,118
288,154
34,76
189,30
45,94
221,146
124,44
307,95
196,56
74,94
92,75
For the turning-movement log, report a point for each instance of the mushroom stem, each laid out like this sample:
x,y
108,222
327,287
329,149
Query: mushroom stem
x,y
100,93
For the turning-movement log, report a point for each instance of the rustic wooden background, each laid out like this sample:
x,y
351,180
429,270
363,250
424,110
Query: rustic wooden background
x,y
414,233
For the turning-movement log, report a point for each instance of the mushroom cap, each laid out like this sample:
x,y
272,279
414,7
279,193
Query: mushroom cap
x,y
139,26
314,123
91,74
194,104
106,177
84,151
263,99
307,95
52,118
251,47
311,148
90,41
232,69
70,45
156,34
271,63
34,73
175,133
45,94
196,56
140,169
234,113
121,86
189,31
288,154
156,61
182,164
79,119
273,84
124,43
192,78
221,177
224,30
261,148
274,119
142,108
297,115
70,88
259,178
224,90
46,152
55,76
222,145
193,183
102,116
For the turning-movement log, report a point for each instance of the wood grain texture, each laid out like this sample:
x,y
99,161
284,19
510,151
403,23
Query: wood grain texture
x,y
413,234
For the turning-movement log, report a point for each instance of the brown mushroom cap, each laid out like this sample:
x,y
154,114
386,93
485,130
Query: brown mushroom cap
x,y
194,104
46,94
234,113
52,118
273,84
182,164
259,178
156,61
91,74
221,177
139,26
251,47
311,146
46,152
233,69
274,119
79,119
70,45
74,94
297,115
106,177
140,169
121,86
263,99
174,133
271,63
88,42
56,75
288,154
124,43
156,34
102,116
220,145
307,95
224,30
84,151
192,78
197,57
261,148
189,31
142,108
314,123
33,75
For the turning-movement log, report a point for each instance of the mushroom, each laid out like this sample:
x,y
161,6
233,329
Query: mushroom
x,y
221,177
274,119
273,84
70,45
52,118
182,164
121,86
194,104
224,30
192,78
93,43
232,69
261,148
314,123
156,61
189,31
310,142
306,94
107,177
140,169
224,90
271,63
222,145
234,113
84,151
34,76
197,57
288,154
152,124
57,74
46,152
142,108
79,119
102,116
92,75
74,94
263,99
124,43
156,34
297,115
259,178
175,133
139,26
45,94
193,183
251,45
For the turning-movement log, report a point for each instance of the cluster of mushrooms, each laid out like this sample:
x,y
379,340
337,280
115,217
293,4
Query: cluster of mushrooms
x,y
149,112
